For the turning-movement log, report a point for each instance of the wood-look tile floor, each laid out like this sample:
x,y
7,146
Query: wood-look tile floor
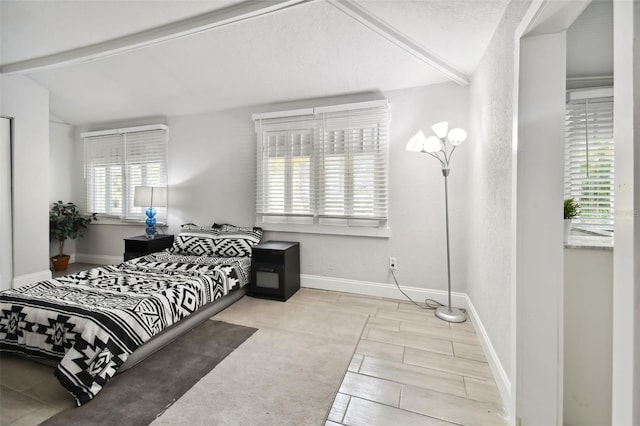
x,y
411,368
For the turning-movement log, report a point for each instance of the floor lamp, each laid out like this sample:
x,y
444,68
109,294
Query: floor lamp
x,y
441,146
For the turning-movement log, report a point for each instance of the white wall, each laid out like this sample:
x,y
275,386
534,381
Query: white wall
x,y
489,190
28,103
626,272
61,175
212,161
588,329
539,229
6,225
416,205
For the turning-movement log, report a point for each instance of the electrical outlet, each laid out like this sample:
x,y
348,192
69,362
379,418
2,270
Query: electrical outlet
x,y
393,263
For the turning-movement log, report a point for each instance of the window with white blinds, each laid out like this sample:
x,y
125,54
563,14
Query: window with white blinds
x,y
116,161
324,166
589,158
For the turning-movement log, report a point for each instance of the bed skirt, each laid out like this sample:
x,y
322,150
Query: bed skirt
x,y
170,334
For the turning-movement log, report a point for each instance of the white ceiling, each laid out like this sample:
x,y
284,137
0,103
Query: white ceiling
x,y
309,50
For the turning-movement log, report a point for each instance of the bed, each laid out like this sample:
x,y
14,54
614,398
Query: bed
x,y
96,323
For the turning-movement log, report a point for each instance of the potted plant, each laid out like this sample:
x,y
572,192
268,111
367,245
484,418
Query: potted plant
x,y
65,221
571,210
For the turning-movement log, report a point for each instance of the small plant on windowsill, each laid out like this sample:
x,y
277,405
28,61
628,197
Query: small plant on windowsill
x,y
571,210
65,221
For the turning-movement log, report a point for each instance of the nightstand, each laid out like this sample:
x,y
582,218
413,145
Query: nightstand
x,y
141,245
275,270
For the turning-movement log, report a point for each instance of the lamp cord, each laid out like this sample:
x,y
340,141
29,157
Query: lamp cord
x,y
428,303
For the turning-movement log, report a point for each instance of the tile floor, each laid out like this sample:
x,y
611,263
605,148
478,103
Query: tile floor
x,y
29,392
409,368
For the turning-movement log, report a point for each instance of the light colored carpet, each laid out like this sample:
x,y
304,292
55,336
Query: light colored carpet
x,y
287,373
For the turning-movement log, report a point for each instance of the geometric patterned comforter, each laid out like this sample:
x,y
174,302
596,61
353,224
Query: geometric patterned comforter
x,y
93,320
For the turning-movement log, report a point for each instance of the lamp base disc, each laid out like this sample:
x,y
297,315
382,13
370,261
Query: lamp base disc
x,y
451,314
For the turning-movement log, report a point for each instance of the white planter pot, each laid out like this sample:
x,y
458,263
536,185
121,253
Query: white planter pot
x,y
567,230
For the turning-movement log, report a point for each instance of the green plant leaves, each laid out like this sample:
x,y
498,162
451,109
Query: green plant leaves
x,y
571,208
66,221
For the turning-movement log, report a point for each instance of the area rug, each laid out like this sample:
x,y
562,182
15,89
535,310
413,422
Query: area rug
x,y
140,394
287,373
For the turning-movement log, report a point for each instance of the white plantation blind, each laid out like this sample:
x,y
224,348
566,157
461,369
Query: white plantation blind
x,y
353,164
589,159
117,161
286,188
324,166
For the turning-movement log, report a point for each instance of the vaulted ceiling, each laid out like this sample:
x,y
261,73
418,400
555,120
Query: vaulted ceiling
x,y
105,60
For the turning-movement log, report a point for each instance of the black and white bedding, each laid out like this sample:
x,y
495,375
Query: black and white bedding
x,y
92,321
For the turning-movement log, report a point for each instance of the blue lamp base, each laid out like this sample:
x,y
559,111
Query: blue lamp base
x,y
151,223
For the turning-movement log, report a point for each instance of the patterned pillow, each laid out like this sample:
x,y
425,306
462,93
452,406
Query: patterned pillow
x,y
192,226
194,242
226,228
197,241
234,238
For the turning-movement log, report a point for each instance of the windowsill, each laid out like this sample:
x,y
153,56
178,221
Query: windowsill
x,y
326,229
115,221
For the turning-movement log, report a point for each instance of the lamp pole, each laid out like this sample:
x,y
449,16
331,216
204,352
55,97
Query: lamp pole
x,y
448,313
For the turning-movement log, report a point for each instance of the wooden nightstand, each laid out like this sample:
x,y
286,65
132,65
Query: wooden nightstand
x,y
141,245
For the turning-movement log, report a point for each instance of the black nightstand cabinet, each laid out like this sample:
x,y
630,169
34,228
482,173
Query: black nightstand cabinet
x,y
141,245
275,270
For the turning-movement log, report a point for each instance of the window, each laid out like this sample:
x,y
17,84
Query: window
x,y
589,159
116,161
324,167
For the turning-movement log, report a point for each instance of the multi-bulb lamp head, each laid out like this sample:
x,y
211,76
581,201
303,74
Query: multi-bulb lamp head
x,y
436,145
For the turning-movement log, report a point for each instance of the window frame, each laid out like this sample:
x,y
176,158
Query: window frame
x,y
154,136
589,131
315,122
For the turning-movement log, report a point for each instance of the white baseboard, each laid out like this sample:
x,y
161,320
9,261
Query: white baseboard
x,y
97,259
72,256
34,277
390,291
500,375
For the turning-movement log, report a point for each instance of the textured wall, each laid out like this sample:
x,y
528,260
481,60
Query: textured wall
x,y
61,178
6,228
626,256
28,103
588,330
416,204
489,236
212,178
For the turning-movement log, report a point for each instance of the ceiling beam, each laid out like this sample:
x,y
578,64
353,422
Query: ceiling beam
x,y
217,18
399,39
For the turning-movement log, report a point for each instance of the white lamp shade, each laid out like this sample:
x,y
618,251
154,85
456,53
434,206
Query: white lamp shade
x,y
457,136
440,129
416,143
150,196
432,144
